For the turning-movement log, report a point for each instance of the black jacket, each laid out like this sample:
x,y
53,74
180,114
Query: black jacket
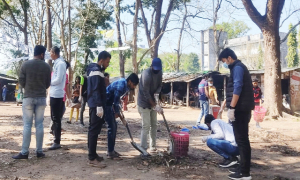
x,y
246,99
96,90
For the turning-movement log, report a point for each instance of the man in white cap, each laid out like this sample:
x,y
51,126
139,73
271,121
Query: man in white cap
x,y
150,84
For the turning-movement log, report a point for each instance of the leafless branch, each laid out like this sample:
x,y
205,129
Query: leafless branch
x,y
286,36
289,16
233,5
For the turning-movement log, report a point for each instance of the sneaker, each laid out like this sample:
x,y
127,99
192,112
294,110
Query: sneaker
x,y
40,155
99,158
69,122
55,146
95,163
228,162
234,169
143,157
239,176
114,156
20,156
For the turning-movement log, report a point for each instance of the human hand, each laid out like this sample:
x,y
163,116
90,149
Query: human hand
x,y
48,100
100,112
159,109
204,139
80,98
230,115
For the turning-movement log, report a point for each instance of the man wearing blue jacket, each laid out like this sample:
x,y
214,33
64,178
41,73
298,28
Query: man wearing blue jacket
x,y
114,92
96,98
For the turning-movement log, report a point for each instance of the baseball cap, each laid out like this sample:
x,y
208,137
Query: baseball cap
x,y
156,64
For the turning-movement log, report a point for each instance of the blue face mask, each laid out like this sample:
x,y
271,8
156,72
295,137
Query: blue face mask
x,y
225,65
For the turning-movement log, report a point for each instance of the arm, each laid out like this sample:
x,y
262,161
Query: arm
x,y
160,85
48,79
22,76
61,71
216,94
218,133
206,90
238,75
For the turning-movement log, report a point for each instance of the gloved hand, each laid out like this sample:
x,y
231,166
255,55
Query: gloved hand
x,y
158,109
230,115
68,102
100,112
204,139
80,98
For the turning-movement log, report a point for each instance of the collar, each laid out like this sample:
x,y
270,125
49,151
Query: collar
x,y
58,60
233,64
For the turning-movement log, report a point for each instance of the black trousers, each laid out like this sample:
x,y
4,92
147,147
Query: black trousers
x,y
241,133
82,109
94,129
56,108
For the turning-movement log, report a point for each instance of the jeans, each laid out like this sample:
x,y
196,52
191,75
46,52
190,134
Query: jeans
x,y
111,128
149,127
3,96
204,110
94,129
83,103
241,133
33,107
223,148
56,108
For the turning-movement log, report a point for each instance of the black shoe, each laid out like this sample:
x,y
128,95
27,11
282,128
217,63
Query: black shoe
x,y
40,155
228,162
55,146
234,170
99,158
239,176
20,156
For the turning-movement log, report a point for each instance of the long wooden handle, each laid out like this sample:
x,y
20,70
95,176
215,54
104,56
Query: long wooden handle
x,y
166,123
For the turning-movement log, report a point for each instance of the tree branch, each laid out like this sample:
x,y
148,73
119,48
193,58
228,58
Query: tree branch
x,y
288,33
256,17
145,24
233,5
12,16
288,16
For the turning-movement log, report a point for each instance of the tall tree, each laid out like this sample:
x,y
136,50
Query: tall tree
x,y
234,29
292,55
120,43
180,36
158,24
269,25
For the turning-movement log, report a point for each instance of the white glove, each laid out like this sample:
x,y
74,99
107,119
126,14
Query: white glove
x,y
204,139
68,102
158,109
80,98
48,100
100,112
230,115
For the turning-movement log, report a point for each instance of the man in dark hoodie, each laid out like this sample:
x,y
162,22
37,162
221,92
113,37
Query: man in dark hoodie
x,y
96,98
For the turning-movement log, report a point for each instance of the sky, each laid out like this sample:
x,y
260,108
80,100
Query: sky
x,y
190,41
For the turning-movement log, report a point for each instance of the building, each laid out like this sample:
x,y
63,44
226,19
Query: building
x,y
247,49
208,50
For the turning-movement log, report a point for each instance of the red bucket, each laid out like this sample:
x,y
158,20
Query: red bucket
x,y
215,110
259,113
181,143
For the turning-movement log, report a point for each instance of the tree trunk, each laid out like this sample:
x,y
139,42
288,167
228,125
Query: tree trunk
x,y
135,49
273,93
86,56
179,39
120,43
49,27
25,22
71,70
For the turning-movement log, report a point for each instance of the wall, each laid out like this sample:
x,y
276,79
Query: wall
x,y
294,90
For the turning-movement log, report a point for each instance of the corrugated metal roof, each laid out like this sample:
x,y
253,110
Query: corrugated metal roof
x,y
3,76
184,77
283,70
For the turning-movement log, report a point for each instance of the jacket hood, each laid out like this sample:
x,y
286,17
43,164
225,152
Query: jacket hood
x,y
93,67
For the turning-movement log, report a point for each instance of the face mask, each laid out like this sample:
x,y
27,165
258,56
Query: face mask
x,y
210,84
225,65
155,71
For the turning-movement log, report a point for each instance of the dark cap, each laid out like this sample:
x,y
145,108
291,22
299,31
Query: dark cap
x,y
156,64
255,80
210,79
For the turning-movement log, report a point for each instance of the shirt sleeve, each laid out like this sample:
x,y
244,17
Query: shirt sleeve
x,y
160,84
238,75
217,130
146,86
117,95
61,70
22,76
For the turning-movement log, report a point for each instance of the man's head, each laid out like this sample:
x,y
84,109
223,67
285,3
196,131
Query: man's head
x,y
255,82
39,52
205,76
54,53
227,56
132,81
208,119
156,65
210,82
104,59
77,80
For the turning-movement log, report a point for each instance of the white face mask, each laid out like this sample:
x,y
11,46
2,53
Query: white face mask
x,y
210,84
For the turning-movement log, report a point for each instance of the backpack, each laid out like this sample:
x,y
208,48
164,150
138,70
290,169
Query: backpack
x,y
83,82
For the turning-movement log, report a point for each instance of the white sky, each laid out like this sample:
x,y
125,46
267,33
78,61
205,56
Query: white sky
x,y
189,44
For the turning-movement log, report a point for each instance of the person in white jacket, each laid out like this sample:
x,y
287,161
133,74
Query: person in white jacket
x,y
221,140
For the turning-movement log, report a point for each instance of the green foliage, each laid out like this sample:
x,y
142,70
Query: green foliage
x,y
260,60
292,55
15,67
234,29
190,63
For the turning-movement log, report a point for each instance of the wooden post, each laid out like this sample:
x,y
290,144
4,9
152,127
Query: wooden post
x,y
171,96
188,94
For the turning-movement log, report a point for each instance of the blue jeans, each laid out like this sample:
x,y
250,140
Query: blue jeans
x,y
204,110
3,96
33,107
111,128
223,148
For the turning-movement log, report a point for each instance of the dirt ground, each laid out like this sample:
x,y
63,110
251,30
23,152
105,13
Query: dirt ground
x,y
275,150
